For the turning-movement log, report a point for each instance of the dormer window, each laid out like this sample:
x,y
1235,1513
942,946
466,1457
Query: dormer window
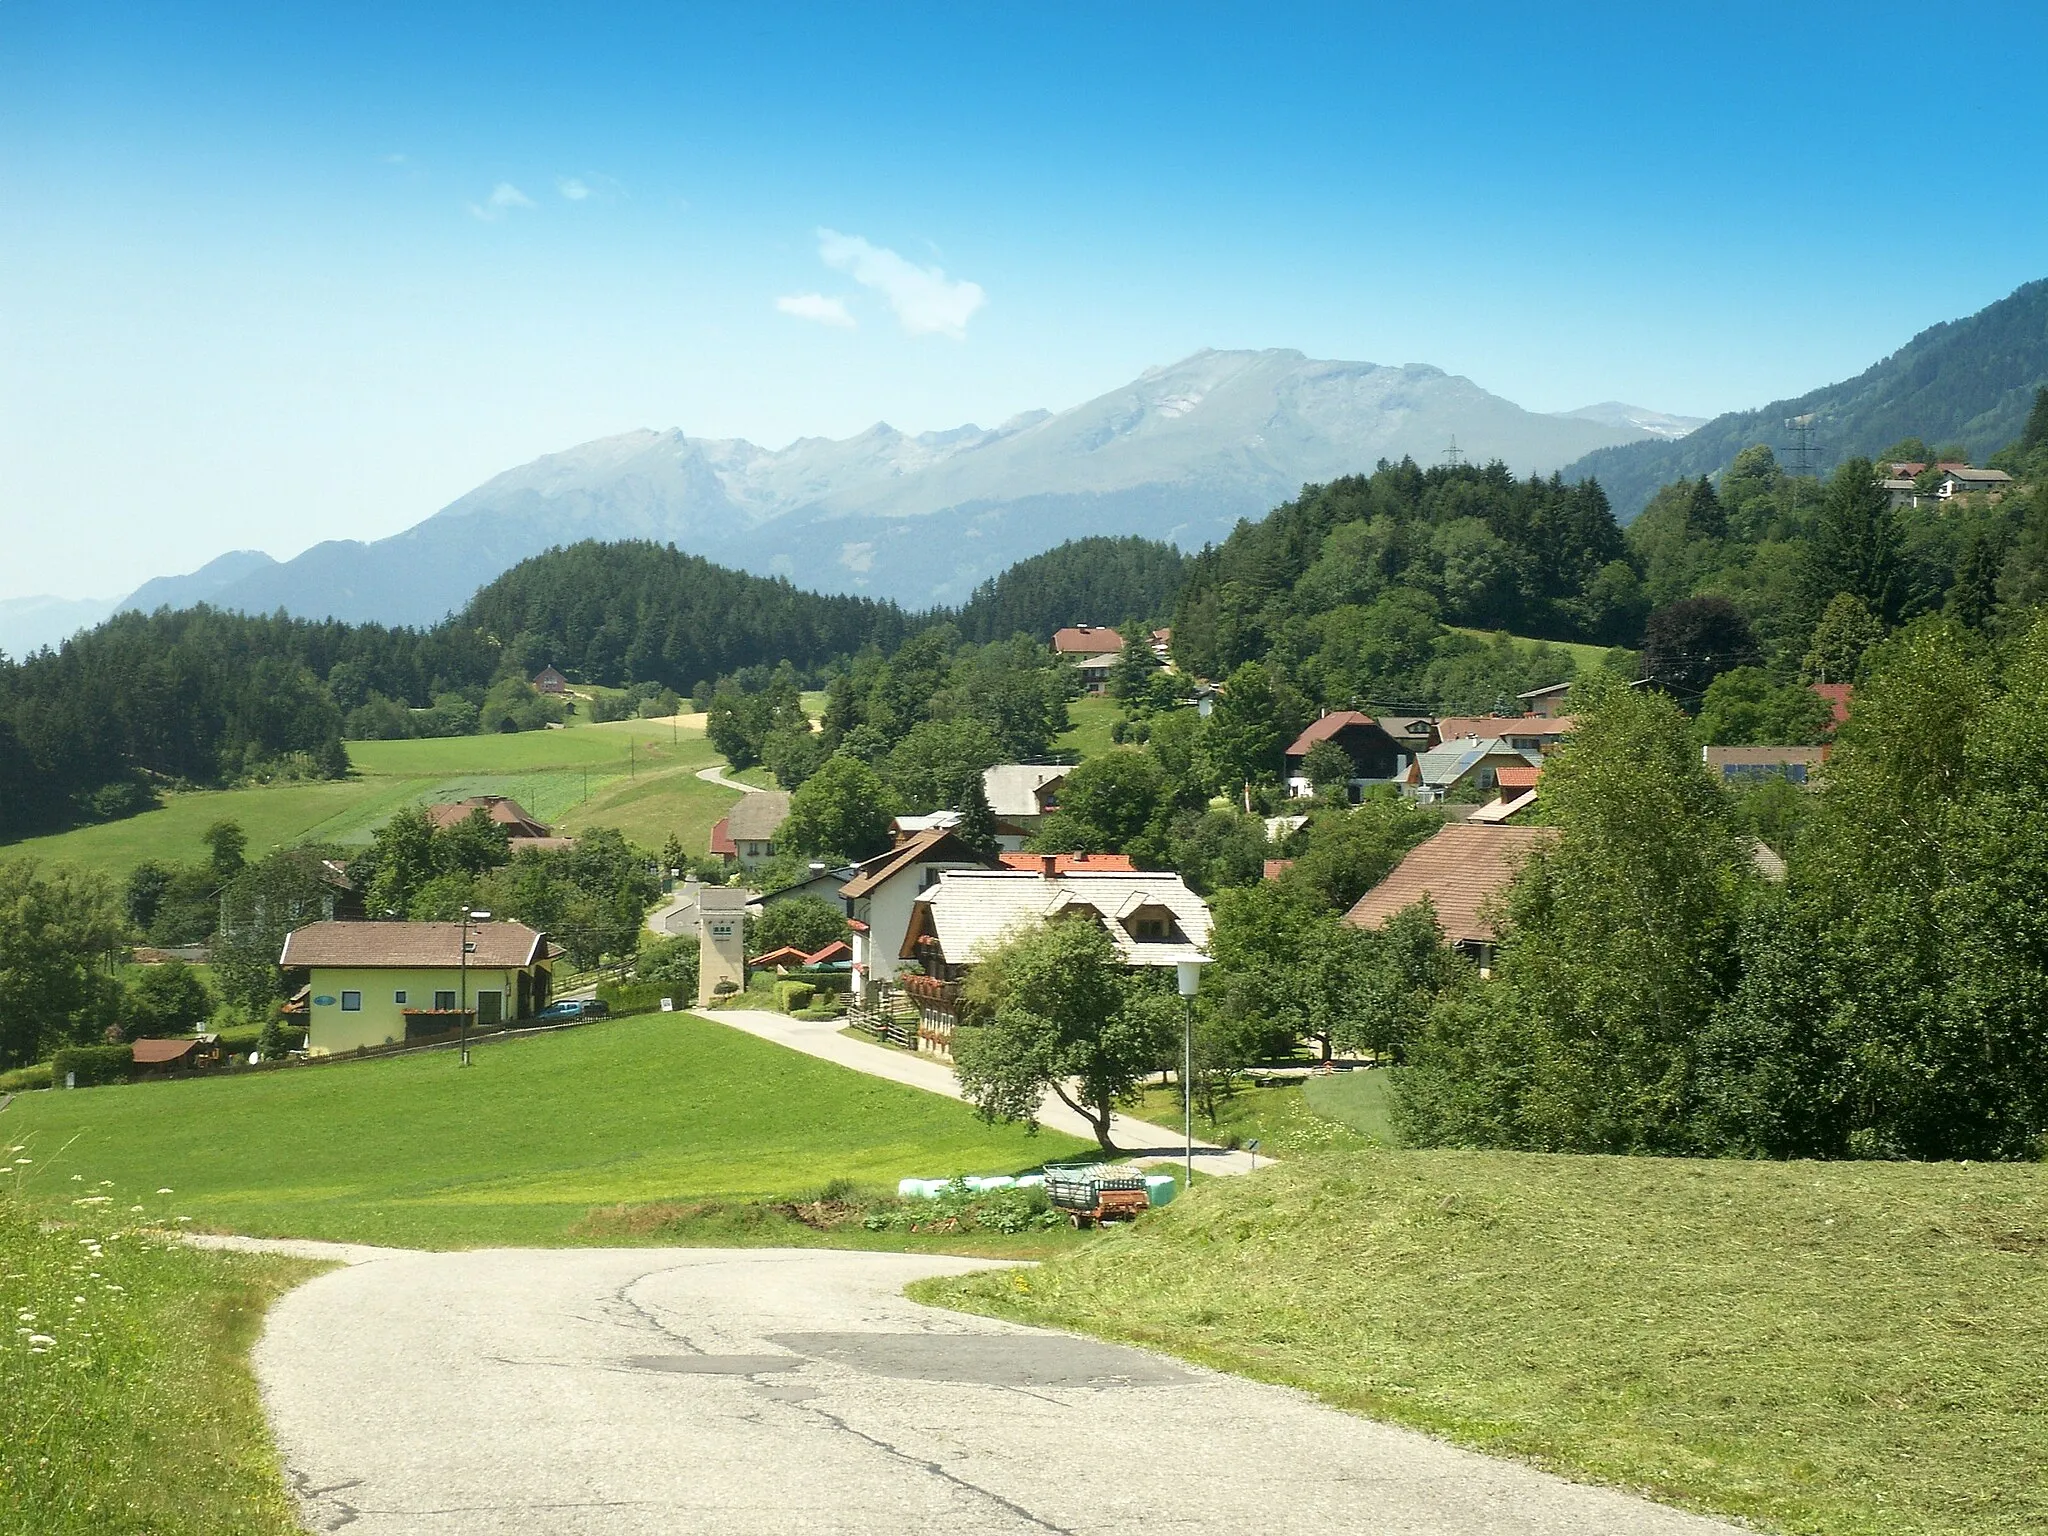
x,y
1151,923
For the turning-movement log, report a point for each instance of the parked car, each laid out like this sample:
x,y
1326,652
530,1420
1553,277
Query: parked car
x,y
573,1008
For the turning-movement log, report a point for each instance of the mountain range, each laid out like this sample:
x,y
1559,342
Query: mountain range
x,y
1180,453
1968,382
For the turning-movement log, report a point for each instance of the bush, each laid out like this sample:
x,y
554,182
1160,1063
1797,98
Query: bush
x,y
792,995
90,1065
624,997
23,1079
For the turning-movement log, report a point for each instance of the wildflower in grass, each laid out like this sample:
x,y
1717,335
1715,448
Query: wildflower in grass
x,y
163,1191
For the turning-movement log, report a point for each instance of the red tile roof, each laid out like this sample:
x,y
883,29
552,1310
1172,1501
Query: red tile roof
x,y
1501,727
1275,868
722,845
1067,863
503,812
1516,779
1840,695
1325,728
1460,870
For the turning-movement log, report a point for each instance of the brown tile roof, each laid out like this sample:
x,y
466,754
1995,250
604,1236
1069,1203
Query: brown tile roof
x,y
933,846
425,946
1501,727
1460,869
1325,728
1510,777
758,816
1839,695
1762,757
506,813
1087,640
149,1052
1275,868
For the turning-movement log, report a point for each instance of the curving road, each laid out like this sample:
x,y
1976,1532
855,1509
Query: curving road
x,y
643,1391
715,774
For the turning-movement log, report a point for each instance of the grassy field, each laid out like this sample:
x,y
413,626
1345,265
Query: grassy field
x,y
638,775
1585,657
126,1405
519,1148
1358,1099
1277,1116
1837,1349
1089,722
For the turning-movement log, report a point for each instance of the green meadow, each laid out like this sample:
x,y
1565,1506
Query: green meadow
x,y
519,1148
1842,1349
639,776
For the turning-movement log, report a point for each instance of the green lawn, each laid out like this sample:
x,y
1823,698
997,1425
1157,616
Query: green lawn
x,y
519,1148
1278,1116
567,776
126,1405
1089,722
1585,657
1849,1349
1358,1099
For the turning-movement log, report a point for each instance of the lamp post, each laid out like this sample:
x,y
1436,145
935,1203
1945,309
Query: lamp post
x,y
468,917
1189,975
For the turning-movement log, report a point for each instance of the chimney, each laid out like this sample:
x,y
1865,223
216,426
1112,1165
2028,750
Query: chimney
x,y
1049,864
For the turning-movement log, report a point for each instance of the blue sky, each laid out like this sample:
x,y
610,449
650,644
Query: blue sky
x,y
275,274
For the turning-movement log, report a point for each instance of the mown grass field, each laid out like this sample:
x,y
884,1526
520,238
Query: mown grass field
x,y
416,1151
1585,657
1088,726
126,1406
1852,1349
639,776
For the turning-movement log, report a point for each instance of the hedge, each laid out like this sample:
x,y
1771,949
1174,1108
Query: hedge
x,y
792,995
642,996
22,1079
87,1066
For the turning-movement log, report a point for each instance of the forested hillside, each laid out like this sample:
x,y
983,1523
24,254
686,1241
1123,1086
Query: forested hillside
x,y
1966,382
1084,581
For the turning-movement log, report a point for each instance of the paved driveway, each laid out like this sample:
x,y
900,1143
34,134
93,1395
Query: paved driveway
x,y
633,1392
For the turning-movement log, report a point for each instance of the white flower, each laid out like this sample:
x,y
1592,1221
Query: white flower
x,y
25,1317
163,1191
184,1218
42,1339
24,1159
78,1178
135,1210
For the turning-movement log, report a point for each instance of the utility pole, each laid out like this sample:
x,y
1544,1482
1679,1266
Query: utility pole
x,y
468,917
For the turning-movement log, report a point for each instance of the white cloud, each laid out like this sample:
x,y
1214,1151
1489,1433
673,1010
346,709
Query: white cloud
x,y
574,188
925,301
504,196
815,306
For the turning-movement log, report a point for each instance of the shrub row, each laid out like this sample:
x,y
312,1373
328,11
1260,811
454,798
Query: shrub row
x,y
90,1065
642,996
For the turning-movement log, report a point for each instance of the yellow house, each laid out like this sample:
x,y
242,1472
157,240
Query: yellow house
x,y
383,983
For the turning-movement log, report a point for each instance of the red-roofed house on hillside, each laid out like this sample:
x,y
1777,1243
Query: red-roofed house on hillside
x,y
1087,640
548,680
521,830
378,984
1376,757
1461,870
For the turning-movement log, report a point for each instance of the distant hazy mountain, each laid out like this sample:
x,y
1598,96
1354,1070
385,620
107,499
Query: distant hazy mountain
x,y
1969,381
27,624
201,586
1180,453
1613,413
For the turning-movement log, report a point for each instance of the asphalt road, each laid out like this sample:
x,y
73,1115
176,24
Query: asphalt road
x,y
642,1391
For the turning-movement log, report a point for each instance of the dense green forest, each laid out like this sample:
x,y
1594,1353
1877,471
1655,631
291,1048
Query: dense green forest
x,y
1084,581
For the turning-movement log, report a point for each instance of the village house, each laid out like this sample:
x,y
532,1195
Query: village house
x,y
1536,735
1753,765
1070,863
1963,480
1094,673
1461,761
1517,794
1545,703
878,903
521,830
1461,870
745,835
548,680
373,984
1021,796
1087,640
1152,918
1376,757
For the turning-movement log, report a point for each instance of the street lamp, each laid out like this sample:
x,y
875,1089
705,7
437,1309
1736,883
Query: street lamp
x,y
1189,975
468,917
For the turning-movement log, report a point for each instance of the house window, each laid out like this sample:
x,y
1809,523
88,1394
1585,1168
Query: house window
x,y
351,1002
1151,929
444,1002
398,998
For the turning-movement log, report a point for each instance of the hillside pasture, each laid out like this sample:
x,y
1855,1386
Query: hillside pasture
x,y
637,775
519,1148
